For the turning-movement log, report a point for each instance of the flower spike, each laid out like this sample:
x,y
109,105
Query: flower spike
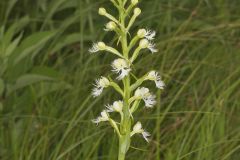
x,y
132,94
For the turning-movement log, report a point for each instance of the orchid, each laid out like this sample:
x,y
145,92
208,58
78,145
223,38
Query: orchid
x,y
131,93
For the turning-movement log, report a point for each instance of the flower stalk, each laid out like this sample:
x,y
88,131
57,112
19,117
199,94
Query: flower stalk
x,y
131,94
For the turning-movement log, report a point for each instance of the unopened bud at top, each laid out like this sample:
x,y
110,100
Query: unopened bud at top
x,y
141,33
137,11
134,2
111,26
144,43
102,11
101,45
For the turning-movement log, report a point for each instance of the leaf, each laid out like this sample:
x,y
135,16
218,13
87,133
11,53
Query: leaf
x,y
27,80
11,4
13,29
70,39
46,71
47,88
31,44
52,9
12,46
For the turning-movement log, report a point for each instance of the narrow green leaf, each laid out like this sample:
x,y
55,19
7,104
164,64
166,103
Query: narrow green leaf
x,y
67,40
27,80
12,46
11,4
46,71
13,29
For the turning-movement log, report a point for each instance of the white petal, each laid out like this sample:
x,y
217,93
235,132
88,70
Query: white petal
x,y
141,92
109,108
160,84
137,127
150,35
146,135
96,121
97,91
104,115
121,67
124,73
150,101
152,48
94,48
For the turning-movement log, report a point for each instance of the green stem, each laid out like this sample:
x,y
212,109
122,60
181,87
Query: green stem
x,y
124,143
158,126
125,126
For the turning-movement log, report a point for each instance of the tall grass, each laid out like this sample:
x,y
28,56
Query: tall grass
x,y
46,105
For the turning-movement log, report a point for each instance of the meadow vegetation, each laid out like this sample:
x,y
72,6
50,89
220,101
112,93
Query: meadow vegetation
x,y
47,73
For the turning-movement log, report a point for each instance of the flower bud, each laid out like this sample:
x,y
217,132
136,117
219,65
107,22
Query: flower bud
x,y
137,11
144,43
141,33
101,45
111,25
102,11
134,2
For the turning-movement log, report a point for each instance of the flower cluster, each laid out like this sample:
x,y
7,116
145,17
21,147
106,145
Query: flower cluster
x,y
132,93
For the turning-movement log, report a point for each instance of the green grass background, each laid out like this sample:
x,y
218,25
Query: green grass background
x,y
46,107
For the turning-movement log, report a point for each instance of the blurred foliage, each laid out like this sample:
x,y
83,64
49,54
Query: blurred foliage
x,y
46,75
